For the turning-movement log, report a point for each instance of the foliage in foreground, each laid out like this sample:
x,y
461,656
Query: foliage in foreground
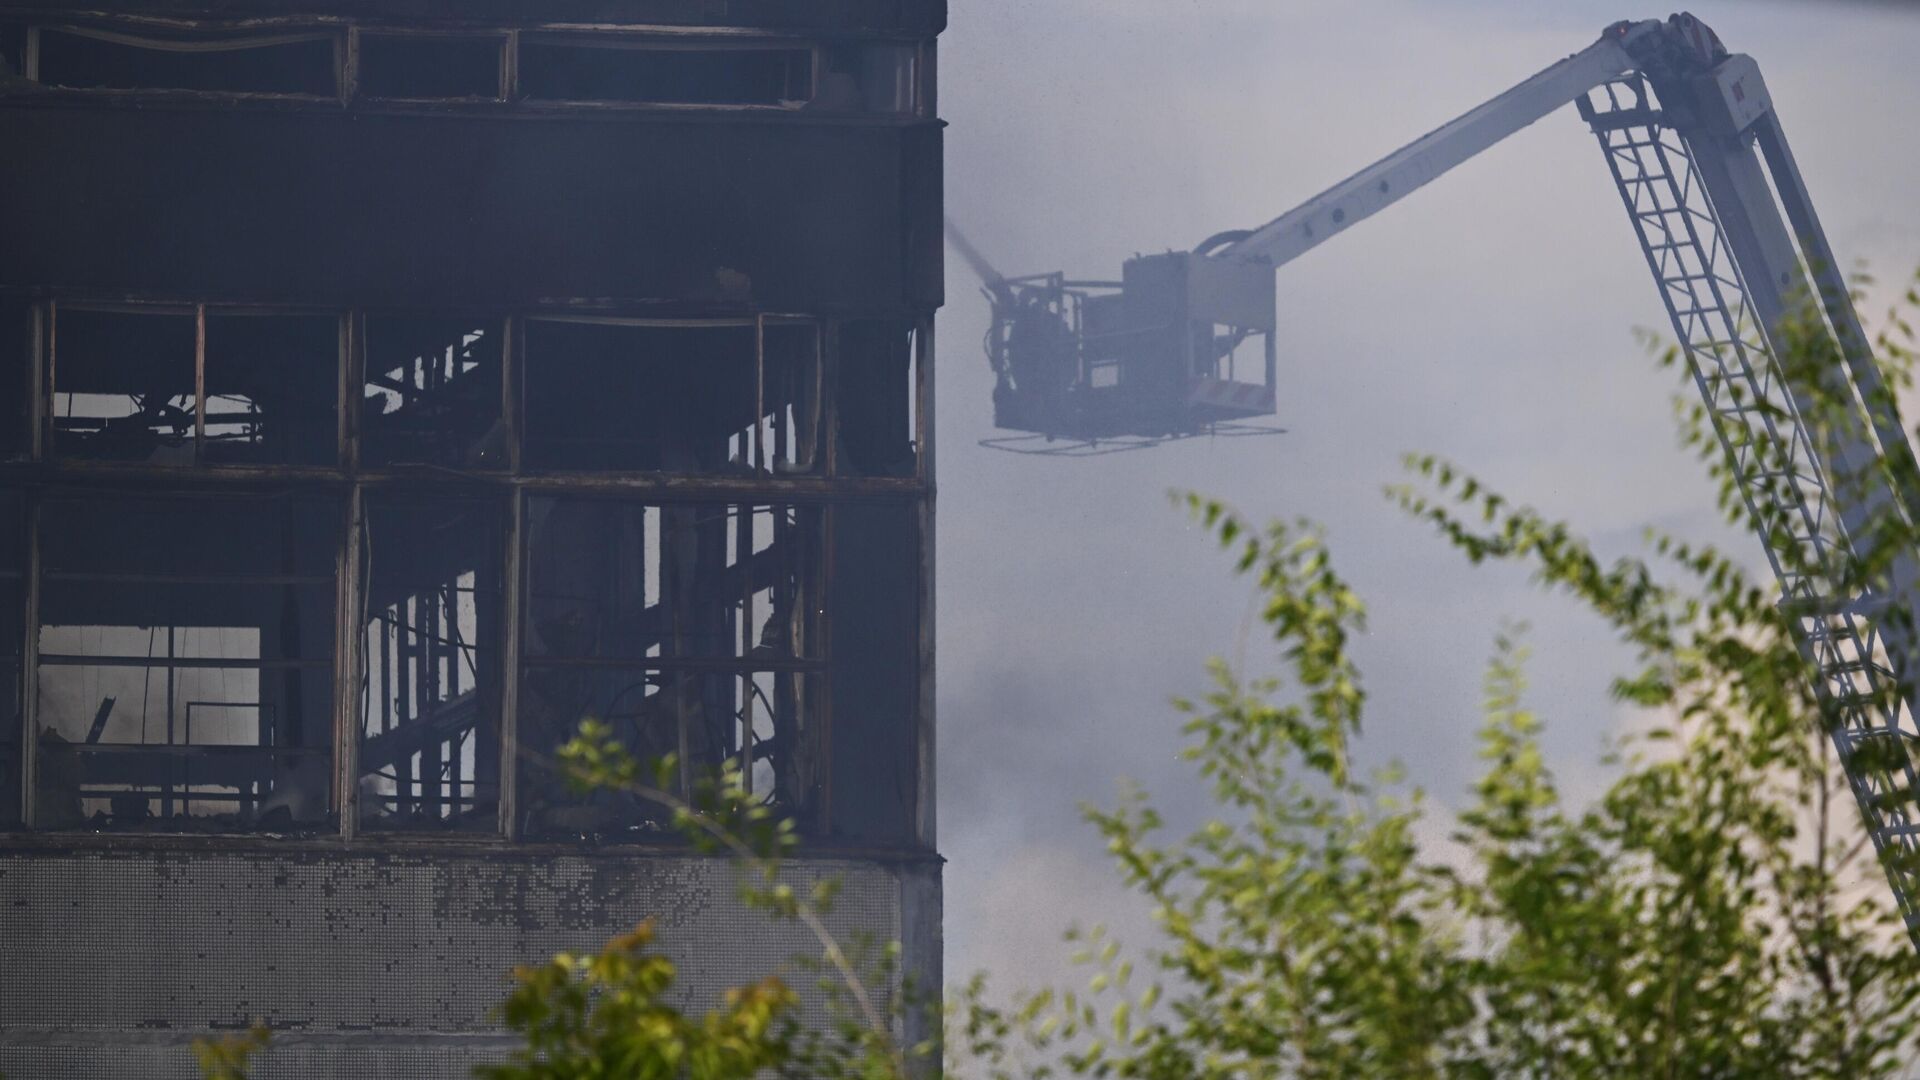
x,y
1715,912
613,1015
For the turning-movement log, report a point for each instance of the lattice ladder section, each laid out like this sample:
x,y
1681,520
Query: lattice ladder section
x,y
1776,466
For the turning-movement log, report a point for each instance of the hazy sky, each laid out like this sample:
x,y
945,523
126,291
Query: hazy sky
x,y
1488,318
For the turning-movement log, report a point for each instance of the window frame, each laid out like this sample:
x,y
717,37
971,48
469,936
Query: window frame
x,y
47,367
759,462
641,41
820,491
322,660
506,41
345,36
127,33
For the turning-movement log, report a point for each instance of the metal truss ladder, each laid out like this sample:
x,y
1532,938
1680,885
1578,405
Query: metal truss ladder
x,y
1777,468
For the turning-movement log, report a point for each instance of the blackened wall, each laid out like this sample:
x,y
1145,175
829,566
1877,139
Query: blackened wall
x,y
926,17
328,207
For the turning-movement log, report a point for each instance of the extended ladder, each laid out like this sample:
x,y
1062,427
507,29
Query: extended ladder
x,y
1811,538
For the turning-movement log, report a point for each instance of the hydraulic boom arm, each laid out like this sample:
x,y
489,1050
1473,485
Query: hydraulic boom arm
x,y
1397,175
1730,235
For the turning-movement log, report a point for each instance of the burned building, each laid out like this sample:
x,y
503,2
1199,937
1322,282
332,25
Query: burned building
x,y
385,387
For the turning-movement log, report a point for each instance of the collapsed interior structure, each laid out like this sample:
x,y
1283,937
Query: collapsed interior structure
x,y
387,387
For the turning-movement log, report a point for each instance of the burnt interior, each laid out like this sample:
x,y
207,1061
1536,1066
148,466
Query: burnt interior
x,y
632,72
429,735
876,398
13,547
691,629
271,387
137,385
85,58
432,392
16,376
429,66
123,385
416,435
676,398
185,661
868,77
13,49
186,638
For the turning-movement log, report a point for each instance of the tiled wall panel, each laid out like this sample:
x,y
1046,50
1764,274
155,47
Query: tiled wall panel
x,y
369,964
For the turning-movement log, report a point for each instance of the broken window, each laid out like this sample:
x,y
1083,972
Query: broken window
x,y
876,399
123,385
13,569
430,707
431,66
13,52
271,385
185,662
790,397
296,63
676,397
17,349
869,77
432,393
692,629
874,598
656,72
128,385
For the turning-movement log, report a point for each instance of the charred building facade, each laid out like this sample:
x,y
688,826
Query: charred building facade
x,y
385,387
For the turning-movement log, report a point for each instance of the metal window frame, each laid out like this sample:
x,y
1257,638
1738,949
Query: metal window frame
x,y
506,66
353,394
346,33
758,461
33,658
817,666
501,501
338,33
650,39
825,488
48,384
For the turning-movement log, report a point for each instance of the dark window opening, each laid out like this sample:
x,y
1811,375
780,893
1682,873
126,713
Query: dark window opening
x,y
790,397
272,381
611,580
558,70
90,59
13,52
16,373
691,629
430,705
875,671
876,399
421,66
123,386
13,568
432,393
632,397
757,721
623,396
185,663
868,78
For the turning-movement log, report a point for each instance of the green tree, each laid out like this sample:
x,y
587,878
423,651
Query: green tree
x,y
612,1015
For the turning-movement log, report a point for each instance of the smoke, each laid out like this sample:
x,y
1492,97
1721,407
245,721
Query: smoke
x,y
1489,318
